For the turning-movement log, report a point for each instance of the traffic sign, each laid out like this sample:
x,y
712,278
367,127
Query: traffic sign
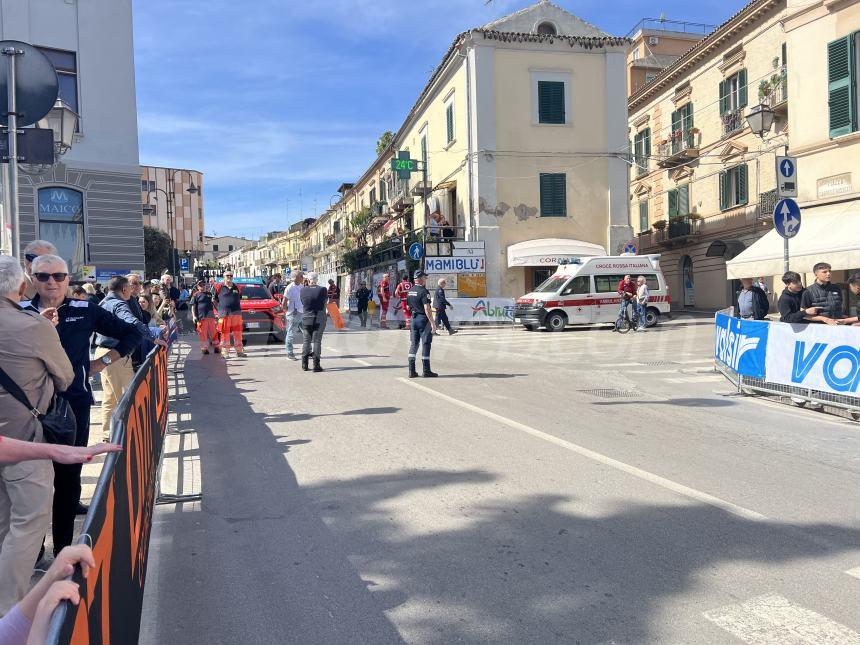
x,y
416,251
786,218
786,177
183,265
631,248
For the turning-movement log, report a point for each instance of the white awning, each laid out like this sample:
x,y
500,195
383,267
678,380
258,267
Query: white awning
x,y
828,233
550,252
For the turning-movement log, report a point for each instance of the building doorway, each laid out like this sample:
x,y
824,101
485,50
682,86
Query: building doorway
x,y
687,281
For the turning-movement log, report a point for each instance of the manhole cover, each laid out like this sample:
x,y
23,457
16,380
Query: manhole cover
x,y
611,393
659,363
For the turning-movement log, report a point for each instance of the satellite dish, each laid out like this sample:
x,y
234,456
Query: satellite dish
x,y
36,83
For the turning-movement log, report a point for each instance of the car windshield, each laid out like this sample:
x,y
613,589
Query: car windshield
x,y
553,284
255,292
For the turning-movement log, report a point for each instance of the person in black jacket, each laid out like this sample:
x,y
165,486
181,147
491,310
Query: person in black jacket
x,y
313,299
362,297
823,294
752,301
76,322
441,304
791,309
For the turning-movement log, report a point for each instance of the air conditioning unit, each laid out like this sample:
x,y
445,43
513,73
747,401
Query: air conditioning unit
x,y
653,40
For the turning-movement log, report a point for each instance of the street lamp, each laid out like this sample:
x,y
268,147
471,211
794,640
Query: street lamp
x,y
63,120
760,120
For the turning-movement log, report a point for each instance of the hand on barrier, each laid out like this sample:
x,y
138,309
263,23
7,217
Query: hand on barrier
x,y
161,342
58,592
75,455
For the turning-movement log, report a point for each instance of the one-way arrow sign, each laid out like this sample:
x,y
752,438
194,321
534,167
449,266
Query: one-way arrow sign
x,y
786,218
786,177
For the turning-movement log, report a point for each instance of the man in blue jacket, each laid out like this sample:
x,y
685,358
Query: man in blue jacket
x,y
76,321
441,304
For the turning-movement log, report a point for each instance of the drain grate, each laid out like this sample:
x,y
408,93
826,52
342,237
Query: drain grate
x,y
659,363
612,393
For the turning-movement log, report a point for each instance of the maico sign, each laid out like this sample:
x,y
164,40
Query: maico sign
x,y
741,344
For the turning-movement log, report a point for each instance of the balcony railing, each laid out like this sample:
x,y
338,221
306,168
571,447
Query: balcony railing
x,y
733,122
682,226
767,203
680,147
641,164
773,92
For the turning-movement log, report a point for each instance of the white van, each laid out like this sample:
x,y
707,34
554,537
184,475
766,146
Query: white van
x,y
585,292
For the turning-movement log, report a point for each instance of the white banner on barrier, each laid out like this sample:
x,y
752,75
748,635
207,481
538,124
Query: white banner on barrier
x,y
820,357
481,310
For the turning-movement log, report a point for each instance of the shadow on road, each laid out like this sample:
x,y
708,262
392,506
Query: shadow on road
x,y
685,403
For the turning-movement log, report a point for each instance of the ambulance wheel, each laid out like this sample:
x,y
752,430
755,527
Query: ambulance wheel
x,y
530,327
556,321
652,315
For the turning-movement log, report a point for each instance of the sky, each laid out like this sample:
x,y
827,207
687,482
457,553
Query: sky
x,y
278,102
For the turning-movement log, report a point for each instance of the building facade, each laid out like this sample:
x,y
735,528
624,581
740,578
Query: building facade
x,y
701,182
216,246
88,204
172,200
823,44
656,44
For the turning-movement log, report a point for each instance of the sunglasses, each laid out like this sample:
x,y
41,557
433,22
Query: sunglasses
x,y
228,275
30,256
44,277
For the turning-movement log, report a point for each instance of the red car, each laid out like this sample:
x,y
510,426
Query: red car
x,y
262,315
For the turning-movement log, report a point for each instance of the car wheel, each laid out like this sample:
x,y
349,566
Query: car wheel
x,y
556,321
856,416
652,315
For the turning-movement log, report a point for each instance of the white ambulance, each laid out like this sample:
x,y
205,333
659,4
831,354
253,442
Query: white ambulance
x,y
585,292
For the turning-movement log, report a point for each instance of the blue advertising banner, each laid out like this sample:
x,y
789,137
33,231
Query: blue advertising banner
x,y
61,204
742,344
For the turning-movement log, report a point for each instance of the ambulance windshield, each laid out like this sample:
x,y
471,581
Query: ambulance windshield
x,y
553,284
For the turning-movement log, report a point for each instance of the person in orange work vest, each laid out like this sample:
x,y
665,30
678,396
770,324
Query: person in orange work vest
x,y
203,315
228,300
402,291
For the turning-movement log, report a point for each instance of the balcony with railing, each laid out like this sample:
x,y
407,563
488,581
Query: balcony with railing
x,y
733,121
773,91
680,147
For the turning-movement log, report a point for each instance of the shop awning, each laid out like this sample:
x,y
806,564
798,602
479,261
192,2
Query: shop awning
x,y
827,234
550,252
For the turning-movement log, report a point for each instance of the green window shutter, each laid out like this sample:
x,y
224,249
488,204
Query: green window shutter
x,y
688,116
643,216
560,194
673,203
742,88
724,97
684,199
676,120
647,139
553,195
550,102
449,117
724,190
424,148
840,87
743,183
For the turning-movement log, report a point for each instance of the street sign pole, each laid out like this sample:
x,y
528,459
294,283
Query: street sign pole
x,y
10,197
785,255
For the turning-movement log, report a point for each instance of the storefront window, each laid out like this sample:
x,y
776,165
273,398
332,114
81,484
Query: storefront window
x,y
61,222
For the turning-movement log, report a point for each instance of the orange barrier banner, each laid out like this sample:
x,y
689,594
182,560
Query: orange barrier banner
x,y
336,318
120,519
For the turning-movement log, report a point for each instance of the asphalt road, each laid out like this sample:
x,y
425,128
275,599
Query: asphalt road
x,y
581,487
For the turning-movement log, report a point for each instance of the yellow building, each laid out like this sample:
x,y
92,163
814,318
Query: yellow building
x,y
521,128
701,182
656,44
823,44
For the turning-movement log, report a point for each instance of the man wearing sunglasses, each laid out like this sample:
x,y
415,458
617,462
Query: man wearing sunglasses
x,y
76,321
33,250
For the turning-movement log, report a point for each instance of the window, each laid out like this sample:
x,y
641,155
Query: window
x,y
424,146
230,247
553,195
649,77
733,98
580,284
61,221
147,186
842,94
636,54
449,121
643,216
551,102
682,123
642,150
382,195
65,63
733,187
679,201
609,283
373,196
215,248
547,29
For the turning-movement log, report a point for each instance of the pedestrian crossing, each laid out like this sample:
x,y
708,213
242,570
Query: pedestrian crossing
x,y
772,619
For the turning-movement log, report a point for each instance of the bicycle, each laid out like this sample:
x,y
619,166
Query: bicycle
x,y
630,320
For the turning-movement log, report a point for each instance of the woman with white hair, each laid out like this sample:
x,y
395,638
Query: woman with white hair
x,y
314,298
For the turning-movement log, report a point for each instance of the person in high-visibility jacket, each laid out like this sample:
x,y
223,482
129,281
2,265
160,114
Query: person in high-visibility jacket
x,y
228,299
384,294
402,292
203,315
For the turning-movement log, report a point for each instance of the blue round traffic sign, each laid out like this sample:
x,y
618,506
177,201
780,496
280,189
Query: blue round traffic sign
x,y
630,248
786,168
416,251
786,218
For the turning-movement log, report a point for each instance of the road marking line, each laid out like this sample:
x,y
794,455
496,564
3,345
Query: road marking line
x,y
668,484
772,619
854,572
361,362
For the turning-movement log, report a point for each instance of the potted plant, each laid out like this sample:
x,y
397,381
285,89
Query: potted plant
x,y
694,130
694,216
764,89
660,225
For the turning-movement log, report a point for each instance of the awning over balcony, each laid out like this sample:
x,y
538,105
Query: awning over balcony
x,y
827,234
550,252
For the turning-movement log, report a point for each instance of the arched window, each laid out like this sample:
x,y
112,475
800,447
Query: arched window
x,y
61,221
547,29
